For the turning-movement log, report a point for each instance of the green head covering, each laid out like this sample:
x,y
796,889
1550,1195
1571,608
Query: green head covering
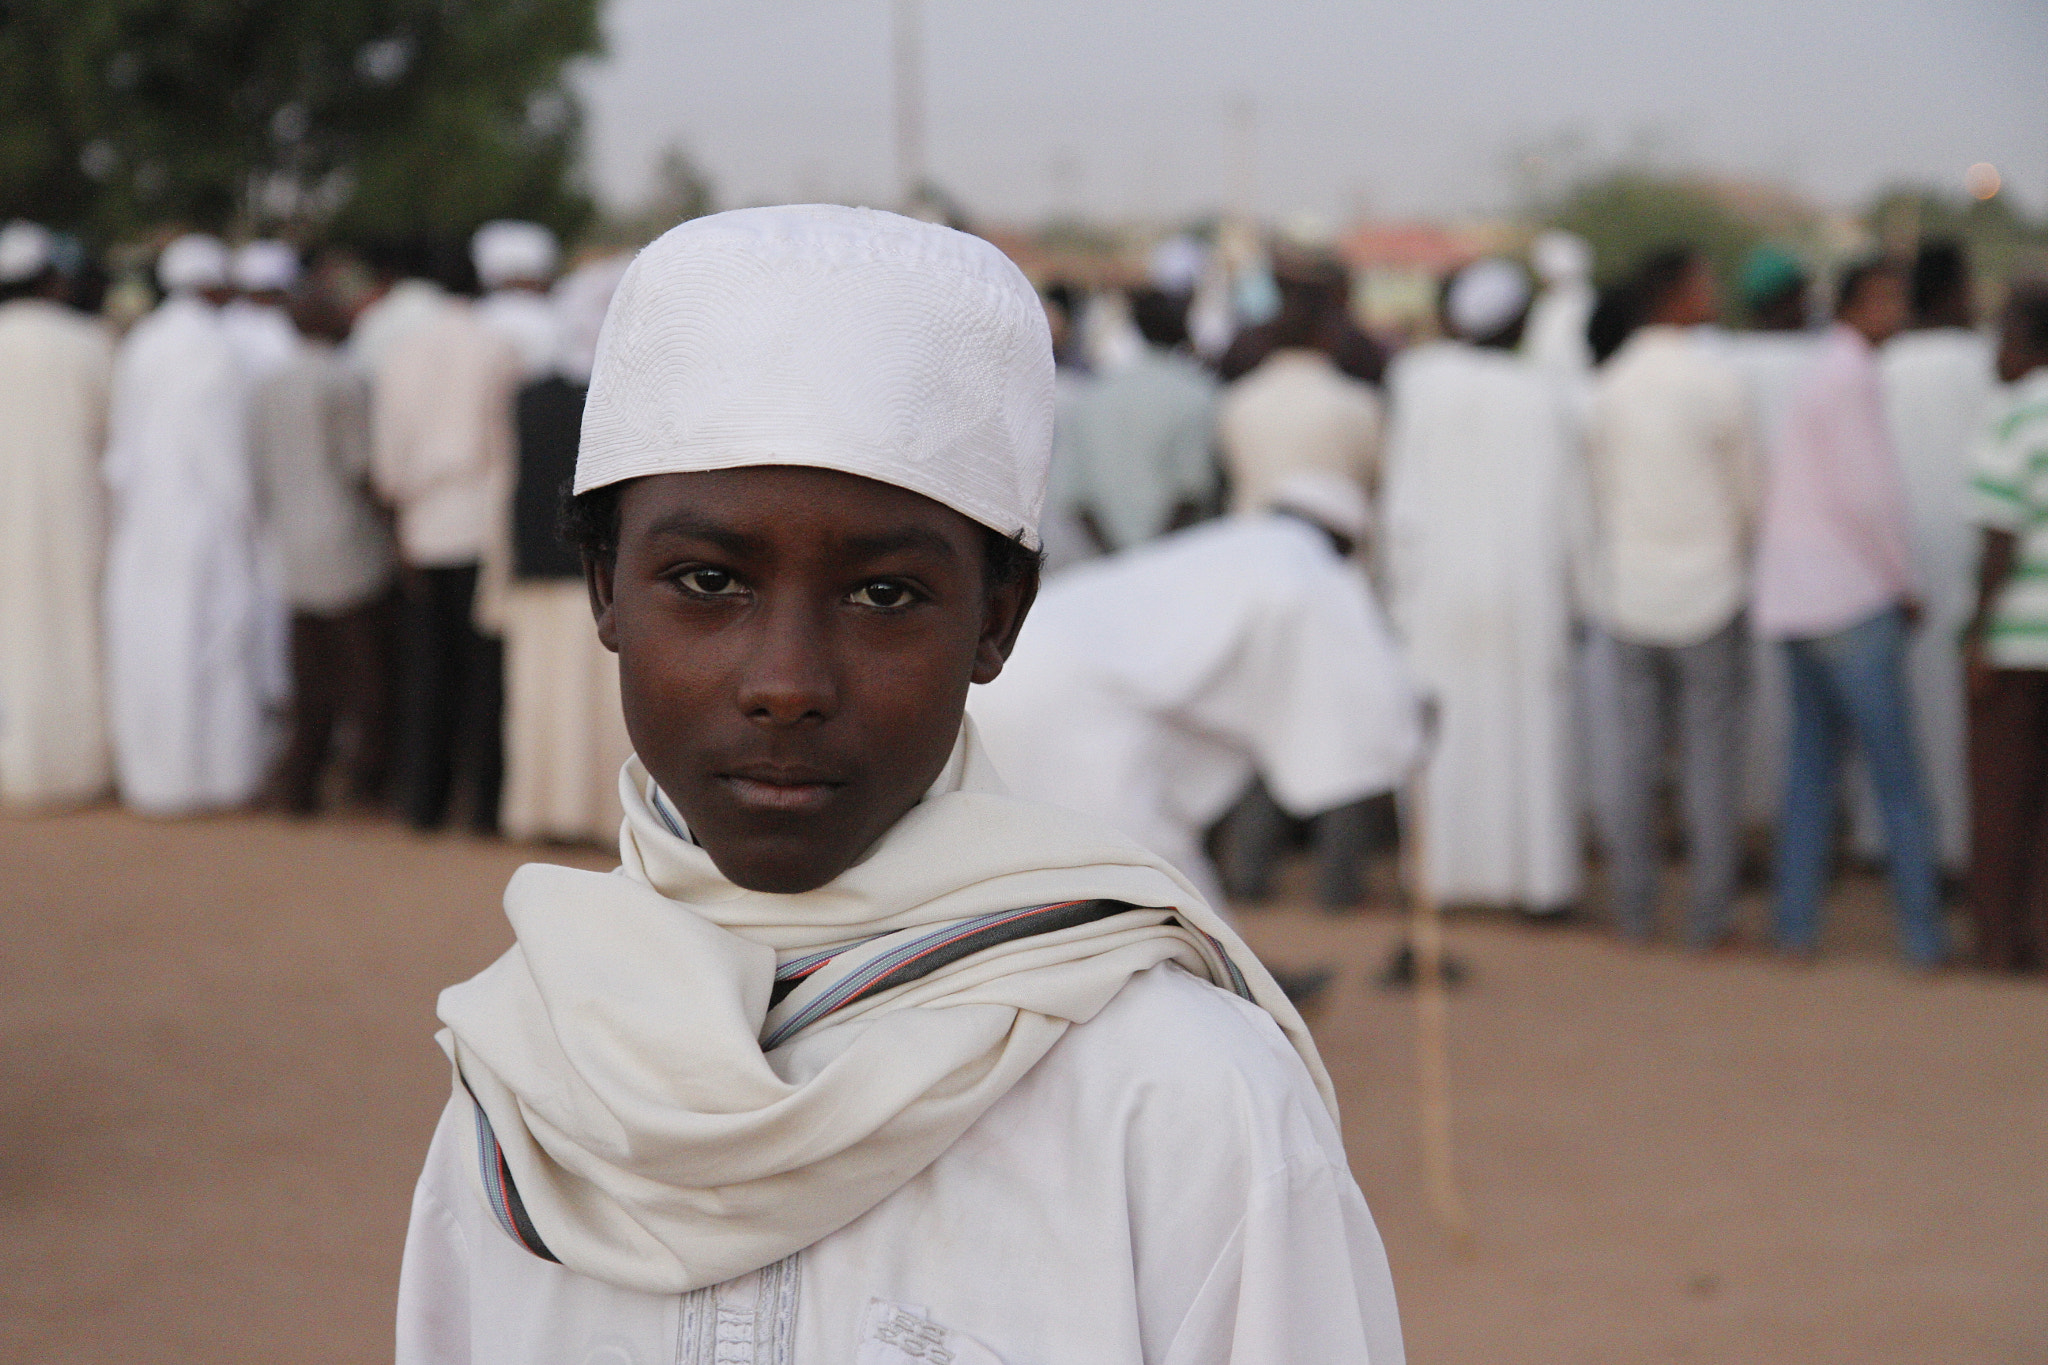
x,y
1769,272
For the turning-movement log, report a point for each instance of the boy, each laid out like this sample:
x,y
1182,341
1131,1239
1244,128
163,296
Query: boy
x,y
858,1058
2006,651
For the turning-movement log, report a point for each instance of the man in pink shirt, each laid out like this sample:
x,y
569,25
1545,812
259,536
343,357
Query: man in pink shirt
x,y
1835,584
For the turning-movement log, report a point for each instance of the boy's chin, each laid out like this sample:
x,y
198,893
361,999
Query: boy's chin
x,y
783,866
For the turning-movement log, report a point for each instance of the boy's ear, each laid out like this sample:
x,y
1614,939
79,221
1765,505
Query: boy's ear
x,y
597,576
1001,619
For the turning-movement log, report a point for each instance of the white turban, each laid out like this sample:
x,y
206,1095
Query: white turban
x,y
838,338
505,251
1486,297
1329,499
1561,257
192,262
25,251
265,266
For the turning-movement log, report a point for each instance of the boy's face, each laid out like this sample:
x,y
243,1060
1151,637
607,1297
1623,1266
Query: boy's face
x,y
795,647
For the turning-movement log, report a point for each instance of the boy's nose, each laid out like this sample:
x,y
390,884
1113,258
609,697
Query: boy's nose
x,y
788,678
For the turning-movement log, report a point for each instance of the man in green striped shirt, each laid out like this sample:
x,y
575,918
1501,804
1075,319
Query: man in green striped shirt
x,y
2007,652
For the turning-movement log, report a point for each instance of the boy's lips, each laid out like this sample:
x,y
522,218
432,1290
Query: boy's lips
x,y
792,790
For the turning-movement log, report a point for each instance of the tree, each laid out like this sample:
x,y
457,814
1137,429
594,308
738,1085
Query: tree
x,y
385,117
682,190
2001,242
1625,214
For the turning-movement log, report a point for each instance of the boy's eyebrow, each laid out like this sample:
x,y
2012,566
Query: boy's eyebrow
x,y
686,524
903,538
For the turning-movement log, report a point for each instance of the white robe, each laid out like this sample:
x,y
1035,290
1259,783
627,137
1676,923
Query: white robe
x,y
1207,1216
55,369
182,599
1555,337
565,735
265,344
530,322
1482,511
1148,687
263,337
1939,386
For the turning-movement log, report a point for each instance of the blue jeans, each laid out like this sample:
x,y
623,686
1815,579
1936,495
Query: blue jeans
x,y
1852,683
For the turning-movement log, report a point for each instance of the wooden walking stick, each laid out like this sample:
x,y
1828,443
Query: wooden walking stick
x,y
1432,1011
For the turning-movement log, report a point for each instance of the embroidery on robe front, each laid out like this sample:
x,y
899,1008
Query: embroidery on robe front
x,y
726,1328
903,1334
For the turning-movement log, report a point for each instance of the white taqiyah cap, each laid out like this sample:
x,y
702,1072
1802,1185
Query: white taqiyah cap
x,y
838,338
1326,498
264,266
1561,257
26,251
194,261
1486,297
505,251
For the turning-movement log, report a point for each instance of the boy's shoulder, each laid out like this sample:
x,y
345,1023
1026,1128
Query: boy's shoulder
x,y
1175,1060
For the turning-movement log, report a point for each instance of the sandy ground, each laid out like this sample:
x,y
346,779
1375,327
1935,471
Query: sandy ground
x,y
217,1078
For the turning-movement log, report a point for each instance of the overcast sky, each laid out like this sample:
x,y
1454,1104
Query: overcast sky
x,y
1124,109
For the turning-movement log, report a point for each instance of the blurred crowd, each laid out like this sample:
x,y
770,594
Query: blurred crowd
x,y
293,540
1770,595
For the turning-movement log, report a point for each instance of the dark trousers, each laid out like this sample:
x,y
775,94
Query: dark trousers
x,y
2009,819
342,691
1249,840
454,702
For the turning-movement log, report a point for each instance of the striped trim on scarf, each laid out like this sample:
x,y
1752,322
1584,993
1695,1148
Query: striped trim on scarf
x,y
926,953
499,1190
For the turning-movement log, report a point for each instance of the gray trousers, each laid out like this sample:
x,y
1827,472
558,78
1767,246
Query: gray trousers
x,y
1635,687
1250,835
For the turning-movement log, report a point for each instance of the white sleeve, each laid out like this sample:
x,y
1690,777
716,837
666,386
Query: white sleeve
x,y
433,1280
1303,1278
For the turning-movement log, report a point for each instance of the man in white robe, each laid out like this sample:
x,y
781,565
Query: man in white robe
x,y
1939,386
1555,337
859,1059
515,263
1296,411
1481,510
55,371
564,734
266,343
1149,687
441,457
405,299
183,605
263,273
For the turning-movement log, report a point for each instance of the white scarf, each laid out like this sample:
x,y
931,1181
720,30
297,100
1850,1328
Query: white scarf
x,y
616,1047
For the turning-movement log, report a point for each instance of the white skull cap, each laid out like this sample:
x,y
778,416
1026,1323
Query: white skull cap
x,y
507,250
836,338
194,261
1561,257
265,265
1486,297
26,251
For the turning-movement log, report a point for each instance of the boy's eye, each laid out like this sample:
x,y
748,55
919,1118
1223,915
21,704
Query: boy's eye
x,y
880,593
709,582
